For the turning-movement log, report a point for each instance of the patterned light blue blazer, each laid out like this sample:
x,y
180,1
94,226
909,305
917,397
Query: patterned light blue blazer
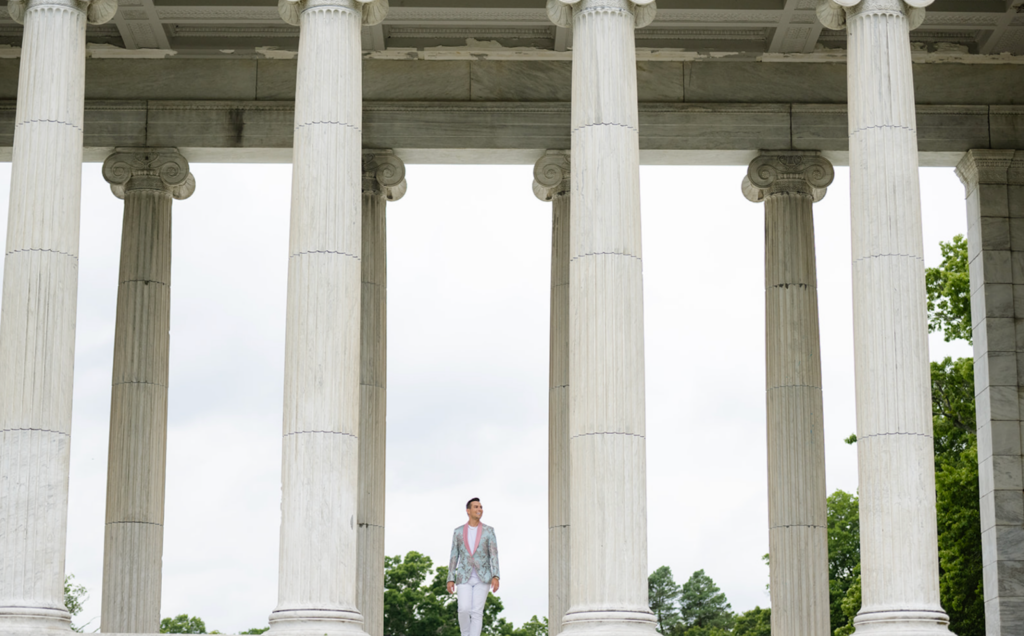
x,y
484,557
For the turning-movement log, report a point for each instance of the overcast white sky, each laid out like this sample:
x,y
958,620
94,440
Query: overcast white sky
x,y
468,267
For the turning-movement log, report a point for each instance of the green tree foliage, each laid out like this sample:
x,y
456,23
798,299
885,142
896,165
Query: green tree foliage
x,y
956,448
255,631
183,624
843,522
850,605
703,608
755,622
75,595
413,607
949,292
663,595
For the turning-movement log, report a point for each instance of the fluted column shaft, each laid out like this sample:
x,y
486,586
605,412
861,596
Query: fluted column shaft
x,y
37,330
552,183
320,463
381,170
798,538
147,180
607,446
899,553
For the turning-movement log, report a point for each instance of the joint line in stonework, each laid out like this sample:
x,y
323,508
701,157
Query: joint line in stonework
x,y
370,525
604,254
919,258
38,430
608,433
560,386
926,435
145,523
333,123
908,129
143,280
36,249
798,525
48,121
328,432
606,124
163,386
325,252
794,386
373,386
564,525
788,285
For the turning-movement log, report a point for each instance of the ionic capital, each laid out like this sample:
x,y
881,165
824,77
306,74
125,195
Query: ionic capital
x,y
96,11
551,175
374,11
561,11
384,174
162,169
788,172
833,13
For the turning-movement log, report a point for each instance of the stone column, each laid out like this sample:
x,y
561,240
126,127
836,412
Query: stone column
x,y
147,179
320,471
40,293
383,181
551,183
994,180
788,183
899,553
607,447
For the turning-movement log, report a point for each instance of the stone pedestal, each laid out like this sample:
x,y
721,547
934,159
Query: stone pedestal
x,y
40,293
320,490
147,179
899,553
788,183
383,181
607,446
551,183
994,181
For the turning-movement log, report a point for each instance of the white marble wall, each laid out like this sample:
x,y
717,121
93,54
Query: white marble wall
x,y
994,182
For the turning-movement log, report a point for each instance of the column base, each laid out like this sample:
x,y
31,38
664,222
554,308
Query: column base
x,y
609,623
902,623
317,621
15,619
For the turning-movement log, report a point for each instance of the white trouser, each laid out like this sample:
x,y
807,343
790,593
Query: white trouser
x,y
472,597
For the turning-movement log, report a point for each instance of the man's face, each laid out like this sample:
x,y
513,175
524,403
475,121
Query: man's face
x,y
475,511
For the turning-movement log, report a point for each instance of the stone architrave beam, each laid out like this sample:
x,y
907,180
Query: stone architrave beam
x,y
147,179
789,183
551,182
40,297
383,181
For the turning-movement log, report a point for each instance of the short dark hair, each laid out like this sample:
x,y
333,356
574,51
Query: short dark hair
x,y
470,502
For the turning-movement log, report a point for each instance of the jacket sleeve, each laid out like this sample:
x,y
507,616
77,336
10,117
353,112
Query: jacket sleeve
x,y
492,554
453,560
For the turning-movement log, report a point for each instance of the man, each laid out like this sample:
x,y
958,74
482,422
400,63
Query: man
x,y
473,568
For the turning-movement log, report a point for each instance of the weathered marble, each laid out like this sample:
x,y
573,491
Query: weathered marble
x,y
383,181
607,444
40,294
147,179
551,182
899,552
320,464
994,182
789,183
